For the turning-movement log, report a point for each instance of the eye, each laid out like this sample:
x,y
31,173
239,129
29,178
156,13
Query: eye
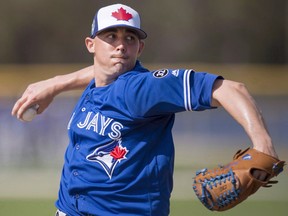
x,y
131,38
111,36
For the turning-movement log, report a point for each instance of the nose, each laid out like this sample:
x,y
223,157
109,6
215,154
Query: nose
x,y
121,46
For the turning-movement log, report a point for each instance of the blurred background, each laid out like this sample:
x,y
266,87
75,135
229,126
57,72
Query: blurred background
x,y
179,31
242,40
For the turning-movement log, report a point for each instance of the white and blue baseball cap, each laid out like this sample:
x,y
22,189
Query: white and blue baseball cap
x,y
117,15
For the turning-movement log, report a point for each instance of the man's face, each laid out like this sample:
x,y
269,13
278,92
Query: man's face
x,y
115,51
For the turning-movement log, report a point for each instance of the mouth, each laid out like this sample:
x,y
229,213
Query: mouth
x,y
119,56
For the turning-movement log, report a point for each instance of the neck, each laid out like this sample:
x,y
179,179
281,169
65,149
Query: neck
x,y
100,82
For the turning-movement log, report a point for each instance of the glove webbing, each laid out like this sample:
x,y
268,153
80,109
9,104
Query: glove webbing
x,y
224,199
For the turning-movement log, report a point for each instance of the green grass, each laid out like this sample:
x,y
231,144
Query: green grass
x,y
263,208
45,207
27,207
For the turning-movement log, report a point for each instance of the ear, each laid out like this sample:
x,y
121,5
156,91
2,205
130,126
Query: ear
x,y
90,44
141,47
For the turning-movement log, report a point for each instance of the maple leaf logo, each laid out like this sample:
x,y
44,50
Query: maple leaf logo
x,y
122,14
118,153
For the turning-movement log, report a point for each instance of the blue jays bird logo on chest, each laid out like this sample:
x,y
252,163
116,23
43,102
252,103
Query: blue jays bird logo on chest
x,y
109,155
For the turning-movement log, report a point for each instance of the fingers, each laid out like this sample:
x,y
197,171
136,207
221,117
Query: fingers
x,y
260,175
20,106
41,93
16,107
27,100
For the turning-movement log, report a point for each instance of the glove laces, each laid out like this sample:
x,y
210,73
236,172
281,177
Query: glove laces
x,y
213,182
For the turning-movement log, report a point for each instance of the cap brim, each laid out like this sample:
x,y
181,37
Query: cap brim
x,y
142,34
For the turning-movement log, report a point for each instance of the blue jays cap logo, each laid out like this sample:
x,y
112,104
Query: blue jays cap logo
x,y
109,155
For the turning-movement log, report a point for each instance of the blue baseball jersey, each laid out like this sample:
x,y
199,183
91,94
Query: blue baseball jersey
x,y
120,156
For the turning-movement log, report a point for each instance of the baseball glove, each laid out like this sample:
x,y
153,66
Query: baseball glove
x,y
224,187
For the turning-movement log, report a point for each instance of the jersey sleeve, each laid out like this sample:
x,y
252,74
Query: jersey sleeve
x,y
169,91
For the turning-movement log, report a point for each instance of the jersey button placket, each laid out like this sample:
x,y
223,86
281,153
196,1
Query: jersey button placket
x,y
77,146
87,97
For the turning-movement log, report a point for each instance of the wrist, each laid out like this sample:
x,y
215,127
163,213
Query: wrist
x,y
64,83
266,147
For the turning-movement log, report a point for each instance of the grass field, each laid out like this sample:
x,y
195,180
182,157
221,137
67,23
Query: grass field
x,y
45,207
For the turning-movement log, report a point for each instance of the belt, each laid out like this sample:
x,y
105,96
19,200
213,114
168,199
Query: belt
x,y
60,213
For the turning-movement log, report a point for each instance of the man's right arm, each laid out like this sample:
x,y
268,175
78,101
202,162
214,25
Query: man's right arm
x,y
43,92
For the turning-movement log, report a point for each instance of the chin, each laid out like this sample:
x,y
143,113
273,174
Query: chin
x,y
121,68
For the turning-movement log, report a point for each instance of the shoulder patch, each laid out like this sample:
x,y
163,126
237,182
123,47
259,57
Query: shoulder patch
x,y
160,73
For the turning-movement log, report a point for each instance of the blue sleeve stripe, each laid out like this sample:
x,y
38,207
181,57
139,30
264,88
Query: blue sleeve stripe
x,y
187,91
